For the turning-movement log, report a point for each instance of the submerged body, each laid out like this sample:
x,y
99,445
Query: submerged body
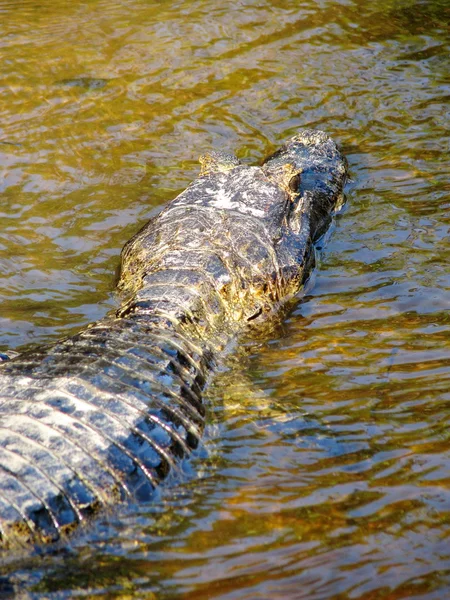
x,y
108,413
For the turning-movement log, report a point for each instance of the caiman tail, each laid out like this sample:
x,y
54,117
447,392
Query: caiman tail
x,y
105,415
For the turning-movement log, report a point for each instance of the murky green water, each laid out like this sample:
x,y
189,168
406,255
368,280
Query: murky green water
x,y
329,451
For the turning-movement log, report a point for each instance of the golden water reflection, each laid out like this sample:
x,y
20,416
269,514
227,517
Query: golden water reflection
x,y
327,467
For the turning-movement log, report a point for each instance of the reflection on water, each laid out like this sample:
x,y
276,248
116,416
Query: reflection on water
x,y
327,473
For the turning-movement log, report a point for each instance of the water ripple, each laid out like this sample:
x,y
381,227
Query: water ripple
x,y
326,471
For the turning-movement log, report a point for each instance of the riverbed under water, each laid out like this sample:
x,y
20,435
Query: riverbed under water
x,y
326,469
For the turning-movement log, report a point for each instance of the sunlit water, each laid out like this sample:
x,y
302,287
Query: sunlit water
x,y
326,469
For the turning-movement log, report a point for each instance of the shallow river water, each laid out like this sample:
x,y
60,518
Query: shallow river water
x,y
326,469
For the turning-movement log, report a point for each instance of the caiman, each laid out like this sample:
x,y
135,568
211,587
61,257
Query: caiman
x,y
106,414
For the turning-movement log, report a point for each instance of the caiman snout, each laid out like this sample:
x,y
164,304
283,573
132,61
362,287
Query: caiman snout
x,y
316,171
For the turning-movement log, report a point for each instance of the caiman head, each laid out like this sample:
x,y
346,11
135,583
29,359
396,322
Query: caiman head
x,y
292,196
251,226
307,175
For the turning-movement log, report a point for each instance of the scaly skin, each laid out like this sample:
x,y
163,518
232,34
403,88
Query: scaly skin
x,y
107,414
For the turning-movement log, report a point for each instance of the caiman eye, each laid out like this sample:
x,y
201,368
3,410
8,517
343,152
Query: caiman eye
x,y
294,183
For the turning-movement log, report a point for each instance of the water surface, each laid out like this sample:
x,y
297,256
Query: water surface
x,y
327,467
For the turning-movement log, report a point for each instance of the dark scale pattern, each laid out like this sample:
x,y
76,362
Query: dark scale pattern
x,y
108,414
